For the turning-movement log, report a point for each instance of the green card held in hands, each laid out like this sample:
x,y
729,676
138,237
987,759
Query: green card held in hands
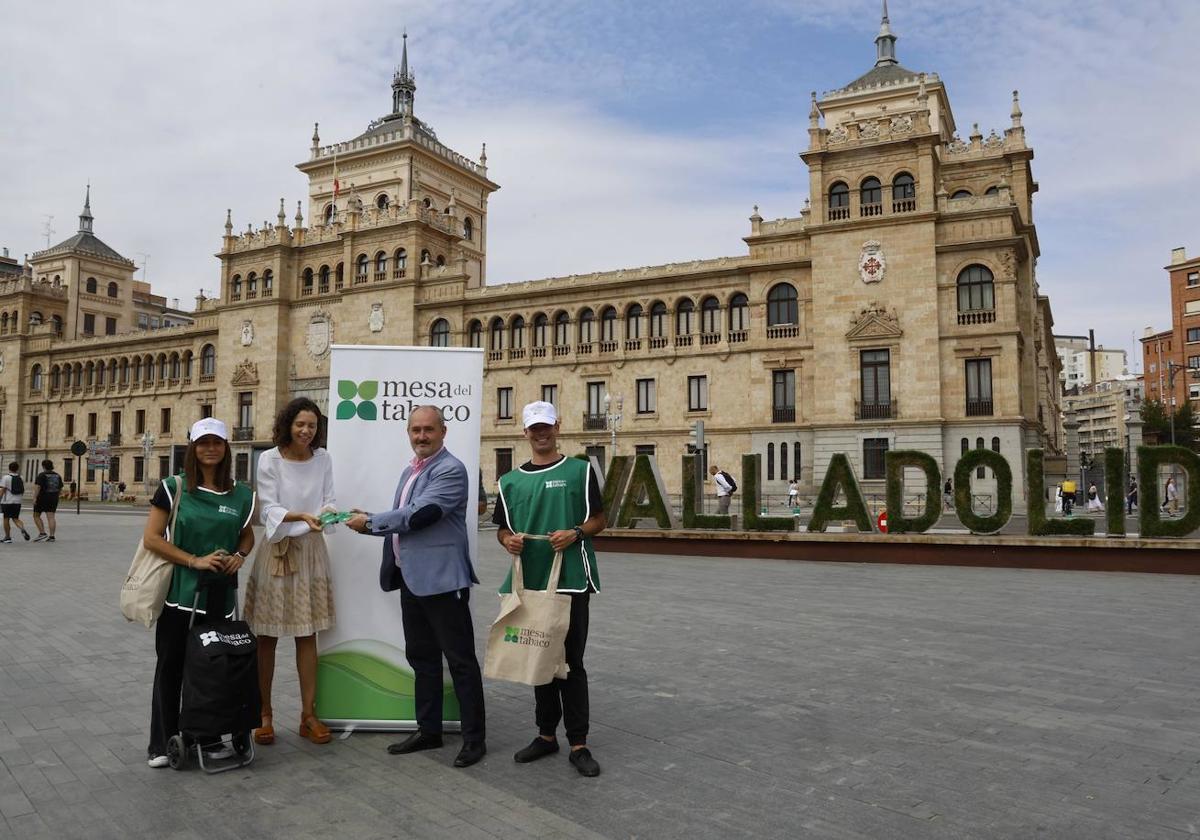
x,y
332,517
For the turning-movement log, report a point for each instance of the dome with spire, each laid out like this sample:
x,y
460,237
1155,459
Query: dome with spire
x,y
887,69
404,91
85,241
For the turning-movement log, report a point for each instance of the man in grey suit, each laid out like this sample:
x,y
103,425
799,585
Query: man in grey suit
x,y
426,557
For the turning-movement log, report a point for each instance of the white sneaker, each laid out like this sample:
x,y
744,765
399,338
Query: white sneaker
x,y
157,761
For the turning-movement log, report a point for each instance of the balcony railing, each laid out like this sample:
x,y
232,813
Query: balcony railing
x,y
323,289
360,279
243,433
683,341
872,209
398,274
710,338
837,213
876,410
538,352
495,355
737,336
380,276
979,408
977,316
633,344
516,353
658,342
584,348
783,331
904,205
305,291
783,414
562,349
608,347
594,422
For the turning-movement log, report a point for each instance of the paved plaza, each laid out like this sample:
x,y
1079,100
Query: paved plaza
x,y
730,699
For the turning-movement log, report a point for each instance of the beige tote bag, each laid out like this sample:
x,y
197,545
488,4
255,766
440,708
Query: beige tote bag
x,y
145,589
527,643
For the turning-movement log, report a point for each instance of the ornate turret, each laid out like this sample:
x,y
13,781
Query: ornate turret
x,y
85,218
885,42
404,86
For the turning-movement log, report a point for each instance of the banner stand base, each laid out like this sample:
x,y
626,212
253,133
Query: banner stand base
x,y
452,727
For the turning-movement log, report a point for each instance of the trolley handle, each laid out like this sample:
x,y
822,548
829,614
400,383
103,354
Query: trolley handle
x,y
218,582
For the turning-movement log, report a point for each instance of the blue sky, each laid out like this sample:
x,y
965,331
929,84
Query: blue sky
x,y
622,133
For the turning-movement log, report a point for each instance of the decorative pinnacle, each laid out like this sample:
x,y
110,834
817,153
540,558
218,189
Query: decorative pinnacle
x,y
299,216
1016,110
316,134
814,113
228,222
85,218
282,215
885,41
483,155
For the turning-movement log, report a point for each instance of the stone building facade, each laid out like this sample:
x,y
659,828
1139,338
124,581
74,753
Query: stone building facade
x,y
900,309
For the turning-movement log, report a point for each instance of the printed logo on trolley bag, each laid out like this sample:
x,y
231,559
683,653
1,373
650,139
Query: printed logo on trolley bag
x,y
236,639
526,636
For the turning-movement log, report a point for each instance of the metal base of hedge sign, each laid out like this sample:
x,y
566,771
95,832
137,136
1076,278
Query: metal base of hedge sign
x,y
634,494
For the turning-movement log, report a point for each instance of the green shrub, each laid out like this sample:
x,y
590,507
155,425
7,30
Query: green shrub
x,y
975,523
752,520
615,480
645,480
1151,523
840,474
1039,524
693,493
894,463
1114,483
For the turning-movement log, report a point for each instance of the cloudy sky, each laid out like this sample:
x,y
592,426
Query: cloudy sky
x,y
622,133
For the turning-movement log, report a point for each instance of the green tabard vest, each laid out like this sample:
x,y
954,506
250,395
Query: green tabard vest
x,y
206,521
553,499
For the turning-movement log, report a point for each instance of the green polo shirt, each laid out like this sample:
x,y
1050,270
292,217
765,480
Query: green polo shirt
x,y
207,521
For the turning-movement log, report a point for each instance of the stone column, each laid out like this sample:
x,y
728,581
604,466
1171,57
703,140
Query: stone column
x,y
1071,447
1133,427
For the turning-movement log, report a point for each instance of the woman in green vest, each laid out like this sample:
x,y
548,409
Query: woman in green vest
x,y
212,536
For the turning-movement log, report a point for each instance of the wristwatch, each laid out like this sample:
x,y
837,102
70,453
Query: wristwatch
x,y
240,553
578,534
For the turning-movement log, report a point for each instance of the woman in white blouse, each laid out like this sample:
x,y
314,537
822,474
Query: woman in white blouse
x,y
289,592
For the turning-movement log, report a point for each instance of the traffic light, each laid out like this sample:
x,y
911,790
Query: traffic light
x,y
696,436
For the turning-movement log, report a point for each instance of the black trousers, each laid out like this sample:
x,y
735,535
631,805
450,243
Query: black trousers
x,y
567,700
437,626
170,643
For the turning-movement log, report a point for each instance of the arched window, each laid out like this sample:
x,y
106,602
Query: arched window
x,y
4,322
904,193
208,360
268,282
475,334
89,374
976,289
323,279
739,314
328,214
562,329
35,318
966,446
995,444
870,197
608,324
961,194
306,284
587,322
839,201
124,371
401,262
783,461
770,462
235,286
633,321
685,314
796,461
496,334
91,286
100,374
782,308
57,321
113,290
381,201
251,284
149,369
162,367
516,339
137,370
992,191
982,471
112,371
176,370
339,275
439,333
541,328
55,378
440,261
35,378
658,319
360,269
710,316
381,265
425,258
468,229
427,203
57,280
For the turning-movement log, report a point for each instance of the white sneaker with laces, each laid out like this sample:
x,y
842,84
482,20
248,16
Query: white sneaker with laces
x,y
157,761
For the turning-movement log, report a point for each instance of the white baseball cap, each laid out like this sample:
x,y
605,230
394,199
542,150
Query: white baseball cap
x,y
208,426
539,412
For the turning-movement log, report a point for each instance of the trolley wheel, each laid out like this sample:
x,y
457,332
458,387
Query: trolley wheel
x,y
241,742
176,752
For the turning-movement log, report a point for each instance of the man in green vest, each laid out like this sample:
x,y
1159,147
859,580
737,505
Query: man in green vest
x,y
559,497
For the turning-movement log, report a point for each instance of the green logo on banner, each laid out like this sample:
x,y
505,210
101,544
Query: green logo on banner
x,y
364,392
512,634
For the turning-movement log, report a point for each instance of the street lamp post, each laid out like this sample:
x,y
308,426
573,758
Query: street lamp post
x,y
613,420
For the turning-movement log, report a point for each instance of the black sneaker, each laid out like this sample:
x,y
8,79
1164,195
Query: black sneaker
x,y
538,748
50,538
41,538
25,534
6,540
584,763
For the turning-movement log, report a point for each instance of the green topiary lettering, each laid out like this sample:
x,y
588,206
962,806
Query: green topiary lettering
x,y
840,474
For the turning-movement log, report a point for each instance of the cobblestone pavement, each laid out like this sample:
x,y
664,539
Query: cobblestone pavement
x,y
730,699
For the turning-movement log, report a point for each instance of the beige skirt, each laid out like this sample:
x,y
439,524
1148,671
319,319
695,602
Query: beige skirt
x,y
289,592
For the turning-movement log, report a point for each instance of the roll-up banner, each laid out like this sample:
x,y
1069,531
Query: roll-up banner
x,y
363,678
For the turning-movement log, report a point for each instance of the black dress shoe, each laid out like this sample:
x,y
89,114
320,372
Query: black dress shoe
x,y
540,748
415,743
584,763
470,753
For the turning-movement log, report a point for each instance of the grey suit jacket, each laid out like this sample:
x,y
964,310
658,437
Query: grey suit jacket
x,y
435,559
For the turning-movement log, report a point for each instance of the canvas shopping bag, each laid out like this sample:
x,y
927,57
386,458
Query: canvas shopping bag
x,y
527,643
145,589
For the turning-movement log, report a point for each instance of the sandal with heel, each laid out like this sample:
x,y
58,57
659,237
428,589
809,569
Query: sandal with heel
x,y
265,734
315,731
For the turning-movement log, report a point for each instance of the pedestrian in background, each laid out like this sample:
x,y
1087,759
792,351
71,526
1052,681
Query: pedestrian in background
x,y
948,495
1131,498
1170,497
724,488
47,487
10,501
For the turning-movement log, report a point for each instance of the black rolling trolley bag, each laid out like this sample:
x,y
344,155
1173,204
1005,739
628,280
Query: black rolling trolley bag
x,y
220,674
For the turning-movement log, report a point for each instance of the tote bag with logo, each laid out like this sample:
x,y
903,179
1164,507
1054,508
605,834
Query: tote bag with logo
x,y
527,643
145,589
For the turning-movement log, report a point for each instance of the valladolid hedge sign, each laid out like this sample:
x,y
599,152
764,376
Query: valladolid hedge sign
x,y
634,493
